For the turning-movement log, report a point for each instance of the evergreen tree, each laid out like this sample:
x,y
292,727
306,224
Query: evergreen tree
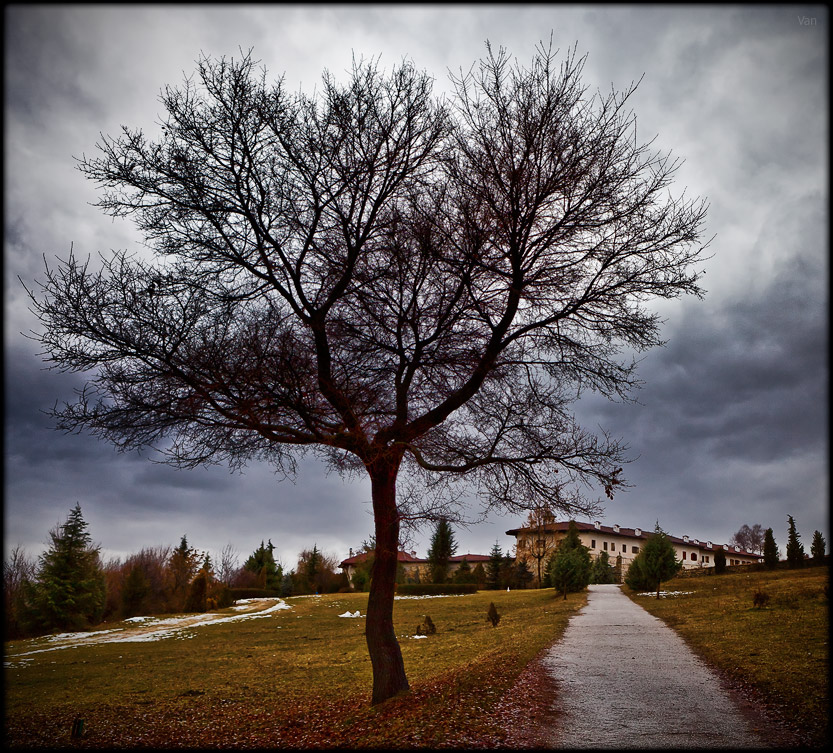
x,y
818,546
795,549
464,573
313,567
601,571
182,567
479,574
262,563
523,574
569,567
719,562
770,550
657,562
493,567
69,591
441,550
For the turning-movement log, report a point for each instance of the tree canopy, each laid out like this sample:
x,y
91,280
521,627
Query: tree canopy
x,y
442,549
656,562
69,590
413,287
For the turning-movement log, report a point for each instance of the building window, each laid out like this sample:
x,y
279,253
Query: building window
x,y
685,555
612,547
706,558
694,556
635,549
605,544
592,543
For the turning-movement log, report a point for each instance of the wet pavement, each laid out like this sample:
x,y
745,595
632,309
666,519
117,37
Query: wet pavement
x,y
626,680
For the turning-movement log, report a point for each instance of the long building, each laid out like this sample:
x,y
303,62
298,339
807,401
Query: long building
x,y
416,569
536,543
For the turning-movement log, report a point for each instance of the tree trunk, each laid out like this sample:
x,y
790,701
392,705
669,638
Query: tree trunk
x,y
385,655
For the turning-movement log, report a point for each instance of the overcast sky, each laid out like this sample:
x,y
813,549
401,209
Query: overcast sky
x,y
731,428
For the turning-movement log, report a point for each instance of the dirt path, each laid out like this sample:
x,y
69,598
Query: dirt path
x,y
620,678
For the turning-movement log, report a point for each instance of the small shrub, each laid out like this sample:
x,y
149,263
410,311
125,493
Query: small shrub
x,y
427,627
760,599
492,615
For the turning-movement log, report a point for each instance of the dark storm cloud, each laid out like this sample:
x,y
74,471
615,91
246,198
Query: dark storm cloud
x,y
732,425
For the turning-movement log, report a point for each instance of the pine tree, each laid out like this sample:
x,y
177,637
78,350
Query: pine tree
x,y
262,563
464,573
441,551
493,567
719,562
601,570
795,550
182,567
479,574
770,550
69,591
818,546
523,574
658,560
569,567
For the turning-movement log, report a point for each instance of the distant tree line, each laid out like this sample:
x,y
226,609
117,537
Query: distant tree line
x,y
69,587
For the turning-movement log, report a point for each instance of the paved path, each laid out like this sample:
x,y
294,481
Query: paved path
x,y
625,680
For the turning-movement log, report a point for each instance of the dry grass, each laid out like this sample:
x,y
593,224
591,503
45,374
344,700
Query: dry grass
x,y
779,651
299,678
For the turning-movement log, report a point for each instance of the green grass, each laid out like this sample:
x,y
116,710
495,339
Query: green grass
x,y
298,678
781,650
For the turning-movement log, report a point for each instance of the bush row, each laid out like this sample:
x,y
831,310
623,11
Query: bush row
x,y
435,589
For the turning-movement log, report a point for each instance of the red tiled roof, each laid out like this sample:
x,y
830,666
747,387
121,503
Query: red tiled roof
x,y
644,533
470,558
400,556
407,558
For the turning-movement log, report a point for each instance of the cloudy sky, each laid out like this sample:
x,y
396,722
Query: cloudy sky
x,y
731,428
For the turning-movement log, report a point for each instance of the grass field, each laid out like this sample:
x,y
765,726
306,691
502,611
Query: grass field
x,y
780,650
296,677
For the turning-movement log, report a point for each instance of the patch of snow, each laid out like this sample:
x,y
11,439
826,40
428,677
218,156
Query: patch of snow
x,y
664,594
357,613
160,629
417,637
433,596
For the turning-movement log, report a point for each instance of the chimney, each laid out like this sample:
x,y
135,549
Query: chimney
x,y
637,531
413,554
616,527
351,551
708,545
598,525
685,538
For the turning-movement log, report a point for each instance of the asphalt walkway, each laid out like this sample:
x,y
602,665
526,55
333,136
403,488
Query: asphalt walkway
x,y
626,680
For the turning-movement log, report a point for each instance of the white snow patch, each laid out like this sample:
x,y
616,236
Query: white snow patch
x,y
148,629
665,594
433,596
357,613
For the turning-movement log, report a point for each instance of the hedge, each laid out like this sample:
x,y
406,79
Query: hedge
x,y
253,593
435,589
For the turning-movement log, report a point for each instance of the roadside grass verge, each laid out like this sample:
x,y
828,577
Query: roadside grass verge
x,y
300,677
779,650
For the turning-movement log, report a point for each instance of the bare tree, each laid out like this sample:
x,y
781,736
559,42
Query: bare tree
x,y
228,563
538,546
750,539
414,288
